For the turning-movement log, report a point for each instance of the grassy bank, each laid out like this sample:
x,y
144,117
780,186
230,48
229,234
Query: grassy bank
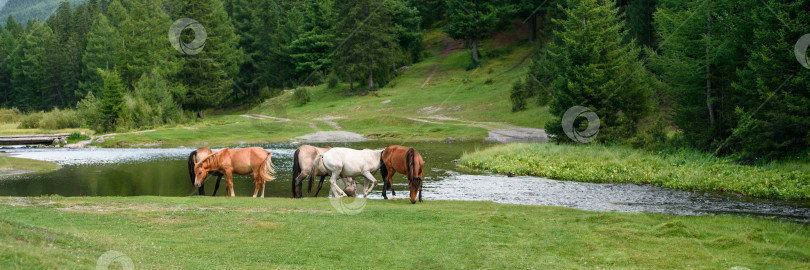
x,y
12,165
197,232
684,169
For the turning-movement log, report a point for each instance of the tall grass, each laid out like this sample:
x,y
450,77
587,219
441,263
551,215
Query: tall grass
x,y
680,169
10,115
54,119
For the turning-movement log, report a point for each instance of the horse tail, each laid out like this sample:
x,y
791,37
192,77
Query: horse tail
x,y
266,168
409,163
191,163
312,173
296,170
384,170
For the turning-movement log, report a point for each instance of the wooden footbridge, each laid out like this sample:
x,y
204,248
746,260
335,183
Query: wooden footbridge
x,y
34,139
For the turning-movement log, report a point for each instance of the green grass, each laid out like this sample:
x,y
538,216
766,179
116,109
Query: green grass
x,y
24,164
159,232
682,169
463,98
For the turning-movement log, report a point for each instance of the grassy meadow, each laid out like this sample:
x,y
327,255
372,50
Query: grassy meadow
x,y
680,169
204,232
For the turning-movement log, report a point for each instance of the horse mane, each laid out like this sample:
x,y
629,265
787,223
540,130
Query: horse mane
x,y
410,165
213,159
191,164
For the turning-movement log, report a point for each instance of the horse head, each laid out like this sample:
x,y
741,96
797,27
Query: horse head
x,y
414,163
205,165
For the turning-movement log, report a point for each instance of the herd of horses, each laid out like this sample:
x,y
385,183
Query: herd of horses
x,y
309,162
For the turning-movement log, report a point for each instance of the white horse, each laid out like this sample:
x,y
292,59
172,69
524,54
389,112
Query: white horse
x,y
349,163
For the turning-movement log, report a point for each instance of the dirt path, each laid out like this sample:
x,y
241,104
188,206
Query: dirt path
x,y
333,136
498,132
264,117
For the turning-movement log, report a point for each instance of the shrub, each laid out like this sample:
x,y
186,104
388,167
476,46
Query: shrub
x,y
10,115
88,111
518,96
31,120
332,81
301,95
59,119
55,119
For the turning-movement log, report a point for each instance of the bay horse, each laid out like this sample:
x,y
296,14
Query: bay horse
x,y
347,162
303,158
404,160
195,156
253,161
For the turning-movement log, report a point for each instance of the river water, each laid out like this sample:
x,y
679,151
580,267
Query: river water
x,y
163,172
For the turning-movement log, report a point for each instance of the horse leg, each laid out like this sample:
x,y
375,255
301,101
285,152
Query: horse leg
x,y
229,177
390,182
263,184
336,191
256,189
320,185
420,194
368,177
219,178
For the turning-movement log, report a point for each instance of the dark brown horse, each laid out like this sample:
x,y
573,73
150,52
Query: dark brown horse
x,y
404,160
254,161
303,158
195,156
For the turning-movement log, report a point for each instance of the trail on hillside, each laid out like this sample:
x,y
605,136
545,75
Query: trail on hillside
x,y
449,46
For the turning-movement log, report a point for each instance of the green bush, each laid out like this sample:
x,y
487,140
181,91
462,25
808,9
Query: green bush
x,y
55,119
10,115
301,95
31,120
332,81
518,96
88,111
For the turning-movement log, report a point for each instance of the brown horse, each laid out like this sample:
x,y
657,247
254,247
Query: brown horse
x,y
195,156
303,158
253,161
404,160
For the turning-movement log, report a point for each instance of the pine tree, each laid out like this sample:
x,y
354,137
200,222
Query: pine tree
x,y
145,41
208,74
314,46
368,53
31,87
267,64
103,51
112,99
594,68
469,21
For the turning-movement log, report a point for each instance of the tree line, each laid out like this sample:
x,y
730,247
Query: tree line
x,y
724,73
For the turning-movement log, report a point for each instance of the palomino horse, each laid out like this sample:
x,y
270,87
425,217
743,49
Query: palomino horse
x,y
404,160
195,156
303,158
349,163
254,161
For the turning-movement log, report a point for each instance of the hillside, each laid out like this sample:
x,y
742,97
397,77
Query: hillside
x,y
24,10
437,98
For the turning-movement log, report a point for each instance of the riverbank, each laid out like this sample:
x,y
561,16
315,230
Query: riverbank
x,y
15,166
194,232
682,169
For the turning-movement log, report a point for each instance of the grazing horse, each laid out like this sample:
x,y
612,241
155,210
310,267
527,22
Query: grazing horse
x,y
253,161
303,158
195,156
404,160
349,163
